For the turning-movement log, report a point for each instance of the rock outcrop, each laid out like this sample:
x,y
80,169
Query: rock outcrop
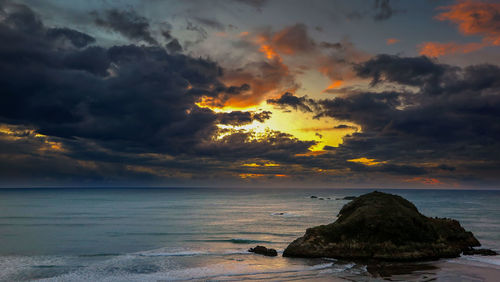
x,y
264,251
386,227
482,252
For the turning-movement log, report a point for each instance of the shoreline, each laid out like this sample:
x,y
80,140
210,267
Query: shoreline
x,y
453,270
248,266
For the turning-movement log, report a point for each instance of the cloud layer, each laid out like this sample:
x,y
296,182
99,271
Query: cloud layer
x,y
448,129
78,108
131,104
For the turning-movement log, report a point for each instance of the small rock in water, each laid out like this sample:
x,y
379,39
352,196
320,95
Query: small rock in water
x,y
350,198
321,199
263,251
313,197
482,252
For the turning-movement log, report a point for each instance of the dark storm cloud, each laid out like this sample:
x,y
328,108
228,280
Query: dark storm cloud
x,y
20,17
174,46
383,10
116,113
134,96
241,118
202,33
453,117
94,60
277,146
387,168
380,11
446,167
345,126
258,4
78,39
328,45
142,103
166,34
127,23
372,109
220,93
303,104
414,71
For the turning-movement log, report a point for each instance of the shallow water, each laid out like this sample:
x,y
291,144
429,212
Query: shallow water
x,y
182,234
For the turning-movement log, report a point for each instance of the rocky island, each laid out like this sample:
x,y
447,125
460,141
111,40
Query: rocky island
x,y
384,227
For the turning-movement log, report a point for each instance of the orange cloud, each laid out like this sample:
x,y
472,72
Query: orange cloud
x,y
250,175
425,180
333,85
436,49
269,52
338,66
472,18
475,18
265,79
293,39
391,41
275,74
269,77
288,41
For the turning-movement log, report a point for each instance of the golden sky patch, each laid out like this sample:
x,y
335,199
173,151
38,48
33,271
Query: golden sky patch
x,y
292,122
250,175
366,161
261,165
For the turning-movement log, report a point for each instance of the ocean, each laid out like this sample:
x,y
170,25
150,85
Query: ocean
x,y
146,234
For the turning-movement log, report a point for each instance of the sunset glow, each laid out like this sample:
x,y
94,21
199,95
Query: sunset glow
x,y
245,92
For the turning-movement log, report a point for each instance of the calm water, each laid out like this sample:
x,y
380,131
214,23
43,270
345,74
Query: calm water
x,y
178,234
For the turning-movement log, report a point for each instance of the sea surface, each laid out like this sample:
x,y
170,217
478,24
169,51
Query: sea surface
x,y
145,234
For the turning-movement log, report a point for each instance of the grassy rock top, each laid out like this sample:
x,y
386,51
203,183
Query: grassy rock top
x,y
383,226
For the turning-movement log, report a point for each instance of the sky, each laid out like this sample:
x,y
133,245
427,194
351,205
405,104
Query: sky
x,y
250,93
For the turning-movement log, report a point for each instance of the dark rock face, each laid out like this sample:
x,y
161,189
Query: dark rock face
x,y
263,251
387,227
482,252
